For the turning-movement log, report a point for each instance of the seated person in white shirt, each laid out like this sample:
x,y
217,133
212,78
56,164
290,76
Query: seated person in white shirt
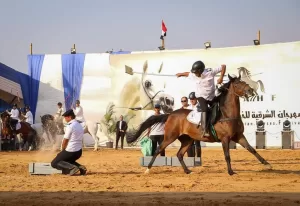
x,y
28,115
156,132
71,147
193,102
193,106
78,110
14,116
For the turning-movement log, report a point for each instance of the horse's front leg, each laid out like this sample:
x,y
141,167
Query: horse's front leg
x,y
225,145
96,140
20,141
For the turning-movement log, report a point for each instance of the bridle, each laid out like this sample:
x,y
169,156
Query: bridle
x,y
235,118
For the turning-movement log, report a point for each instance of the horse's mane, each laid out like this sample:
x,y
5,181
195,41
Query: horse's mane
x,y
224,90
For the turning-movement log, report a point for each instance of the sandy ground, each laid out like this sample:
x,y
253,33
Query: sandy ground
x,y
116,178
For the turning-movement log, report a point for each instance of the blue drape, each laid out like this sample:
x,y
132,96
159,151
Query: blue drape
x,y
18,77
4,105
72,70
35,63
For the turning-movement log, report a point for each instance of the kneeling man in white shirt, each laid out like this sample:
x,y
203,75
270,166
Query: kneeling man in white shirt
x,y
71,147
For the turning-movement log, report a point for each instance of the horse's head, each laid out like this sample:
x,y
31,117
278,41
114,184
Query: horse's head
x,y
4,116
152,87
239,87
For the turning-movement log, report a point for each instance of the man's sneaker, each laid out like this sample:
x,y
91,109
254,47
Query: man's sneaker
x,y
73,171
83,170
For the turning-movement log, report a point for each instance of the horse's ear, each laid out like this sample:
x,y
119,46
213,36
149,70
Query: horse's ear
x,y
229,77
239,78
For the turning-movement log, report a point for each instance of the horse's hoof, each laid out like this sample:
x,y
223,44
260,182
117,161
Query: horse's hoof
x,y
188,172
147,171
231,173
268,167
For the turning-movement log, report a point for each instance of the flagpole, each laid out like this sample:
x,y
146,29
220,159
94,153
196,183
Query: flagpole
x,y
163,34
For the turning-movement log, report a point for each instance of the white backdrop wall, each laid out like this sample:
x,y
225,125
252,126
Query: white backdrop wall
x,y
104,80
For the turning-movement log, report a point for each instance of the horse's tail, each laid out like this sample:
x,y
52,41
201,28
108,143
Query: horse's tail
x,y
154,119
261,85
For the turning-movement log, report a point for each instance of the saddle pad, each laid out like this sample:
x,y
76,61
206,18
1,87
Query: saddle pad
x,y
18,126
194,117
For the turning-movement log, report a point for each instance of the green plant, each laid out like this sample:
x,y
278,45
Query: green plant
x,y
109,120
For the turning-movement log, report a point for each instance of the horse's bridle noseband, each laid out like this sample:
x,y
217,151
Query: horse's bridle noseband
x,y
236,118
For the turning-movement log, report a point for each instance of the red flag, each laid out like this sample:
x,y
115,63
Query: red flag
x,y
163,30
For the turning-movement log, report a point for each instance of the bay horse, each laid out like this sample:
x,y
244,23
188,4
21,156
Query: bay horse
x,y
228,125
27,133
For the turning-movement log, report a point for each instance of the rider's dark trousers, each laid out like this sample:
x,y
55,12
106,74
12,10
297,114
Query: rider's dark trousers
x,y
204,104
69,157
13,122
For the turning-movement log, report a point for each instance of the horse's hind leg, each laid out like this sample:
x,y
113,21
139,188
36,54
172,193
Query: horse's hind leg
x,y
186,142
167,141
243,141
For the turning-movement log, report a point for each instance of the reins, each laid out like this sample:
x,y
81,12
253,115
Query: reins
x,y
232,118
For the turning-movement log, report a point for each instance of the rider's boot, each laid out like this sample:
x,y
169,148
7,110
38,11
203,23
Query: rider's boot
x,y
203,124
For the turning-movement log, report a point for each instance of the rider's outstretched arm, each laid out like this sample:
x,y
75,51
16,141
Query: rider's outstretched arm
x,y
183,74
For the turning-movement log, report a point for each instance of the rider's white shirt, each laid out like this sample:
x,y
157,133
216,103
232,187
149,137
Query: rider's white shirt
x,y
79,114
74,133
29,117
205,84
14,114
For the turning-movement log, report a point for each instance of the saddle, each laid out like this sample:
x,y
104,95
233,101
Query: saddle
x,y
213,114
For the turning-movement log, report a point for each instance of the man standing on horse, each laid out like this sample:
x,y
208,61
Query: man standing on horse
x,y
79,113
204,83
71,147
14,116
